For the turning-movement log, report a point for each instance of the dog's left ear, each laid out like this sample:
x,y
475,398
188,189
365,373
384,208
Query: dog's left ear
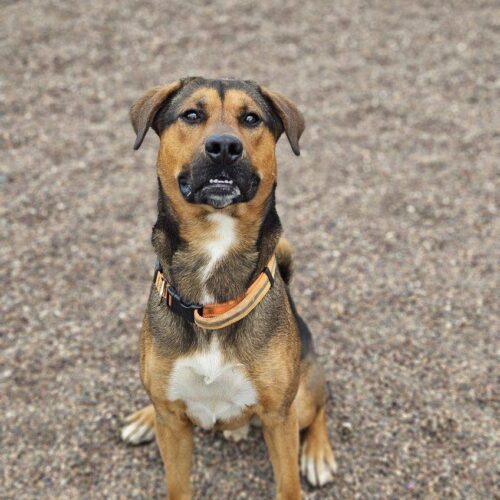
x,y
291,117
143,111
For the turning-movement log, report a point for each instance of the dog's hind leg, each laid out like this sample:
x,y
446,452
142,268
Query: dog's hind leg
x,y
140,426
317,461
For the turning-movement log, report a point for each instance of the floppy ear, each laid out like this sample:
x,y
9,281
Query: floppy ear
x,y
291,117
143,111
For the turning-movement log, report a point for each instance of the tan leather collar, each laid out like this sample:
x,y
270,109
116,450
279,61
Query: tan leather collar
x,y
217,316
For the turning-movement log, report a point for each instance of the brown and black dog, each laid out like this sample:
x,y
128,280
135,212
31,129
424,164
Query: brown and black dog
x,y
216,234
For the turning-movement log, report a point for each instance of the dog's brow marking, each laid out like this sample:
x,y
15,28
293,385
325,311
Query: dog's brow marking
x,y
224,238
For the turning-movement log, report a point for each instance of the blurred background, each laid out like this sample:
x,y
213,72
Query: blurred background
x,y
391,210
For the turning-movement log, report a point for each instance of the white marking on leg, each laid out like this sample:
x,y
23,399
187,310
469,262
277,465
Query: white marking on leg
x,y
303,462
324,473
137,433
311,470
319,470
237,435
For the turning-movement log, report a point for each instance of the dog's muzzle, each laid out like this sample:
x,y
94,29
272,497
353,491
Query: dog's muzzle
x,y
219,184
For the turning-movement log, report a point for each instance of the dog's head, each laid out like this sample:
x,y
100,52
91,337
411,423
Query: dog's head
x,y
217,139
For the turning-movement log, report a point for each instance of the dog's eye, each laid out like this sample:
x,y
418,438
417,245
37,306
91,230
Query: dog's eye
x,y
251,119
192,116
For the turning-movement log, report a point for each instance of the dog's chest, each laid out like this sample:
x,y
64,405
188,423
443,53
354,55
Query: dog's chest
x,y
212,389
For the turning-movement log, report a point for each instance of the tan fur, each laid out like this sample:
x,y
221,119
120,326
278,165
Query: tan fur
x,y
143,110
293,120
290,391
179,143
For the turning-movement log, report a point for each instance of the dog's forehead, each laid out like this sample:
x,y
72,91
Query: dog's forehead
x,y
240,94
201,89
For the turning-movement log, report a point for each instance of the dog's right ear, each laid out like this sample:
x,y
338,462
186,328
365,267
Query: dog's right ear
x,y
143,111
291,118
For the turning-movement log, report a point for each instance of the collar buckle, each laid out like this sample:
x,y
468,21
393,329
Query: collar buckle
x,y
179,307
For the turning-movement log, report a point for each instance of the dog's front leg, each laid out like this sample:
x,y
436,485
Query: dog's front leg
x,y
175,439
281,433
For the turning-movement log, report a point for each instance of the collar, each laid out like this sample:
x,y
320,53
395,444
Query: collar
x,y
216,316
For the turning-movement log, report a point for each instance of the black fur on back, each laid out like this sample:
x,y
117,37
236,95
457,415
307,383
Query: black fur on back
x,y
285,267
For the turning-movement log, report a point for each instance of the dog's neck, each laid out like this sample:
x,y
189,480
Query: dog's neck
x,y
224,259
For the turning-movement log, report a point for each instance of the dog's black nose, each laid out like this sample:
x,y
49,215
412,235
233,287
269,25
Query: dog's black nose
x,y
224,149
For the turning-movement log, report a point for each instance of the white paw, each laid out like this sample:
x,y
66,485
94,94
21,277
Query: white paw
x,y
318,470
237,435
137,433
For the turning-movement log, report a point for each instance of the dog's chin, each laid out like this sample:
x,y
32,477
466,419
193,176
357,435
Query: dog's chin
x,y
218,196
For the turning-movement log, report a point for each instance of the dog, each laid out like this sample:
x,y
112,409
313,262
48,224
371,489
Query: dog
x,y
222,344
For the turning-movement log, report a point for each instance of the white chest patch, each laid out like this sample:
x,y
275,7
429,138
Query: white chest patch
x,y
211,388
223,239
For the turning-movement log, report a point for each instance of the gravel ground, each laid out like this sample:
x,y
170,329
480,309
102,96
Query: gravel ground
x,y
391,209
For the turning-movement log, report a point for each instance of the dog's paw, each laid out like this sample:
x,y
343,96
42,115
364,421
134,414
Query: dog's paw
x,y
317,462
237,434
140,428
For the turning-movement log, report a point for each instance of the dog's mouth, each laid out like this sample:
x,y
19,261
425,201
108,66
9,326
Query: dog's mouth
x,y
218,191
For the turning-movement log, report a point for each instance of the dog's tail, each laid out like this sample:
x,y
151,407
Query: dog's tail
x,y
284,259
